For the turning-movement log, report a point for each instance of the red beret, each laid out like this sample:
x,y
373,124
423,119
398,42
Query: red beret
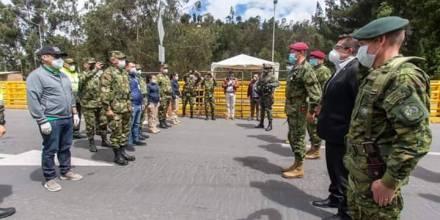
x,y
318,54
299,46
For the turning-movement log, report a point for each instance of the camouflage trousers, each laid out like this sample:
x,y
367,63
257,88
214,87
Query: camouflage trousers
x,y
209,105
96,121
313,133
266,103
297,133
188,99
120,129
163,107
362,206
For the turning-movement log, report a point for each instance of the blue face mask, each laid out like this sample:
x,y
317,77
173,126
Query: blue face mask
x,y
313,62
292,58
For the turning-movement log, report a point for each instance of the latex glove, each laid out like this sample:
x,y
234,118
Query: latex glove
x,y
46,128
2,130
76,120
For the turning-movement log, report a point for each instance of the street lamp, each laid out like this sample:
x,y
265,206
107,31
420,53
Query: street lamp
x,y
273,28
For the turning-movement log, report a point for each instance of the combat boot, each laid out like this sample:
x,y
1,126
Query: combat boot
x,y
261,125
166,124
269,126
213,117
92,146
191,114
298,172
104,141
207,118
292,167
313,153
119,159
6,212
162,124
125,155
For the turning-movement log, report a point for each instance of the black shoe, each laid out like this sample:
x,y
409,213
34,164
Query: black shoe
x,y
125,155
6,212
192,115
213,118
139,143
338,216
145,135
104,141
141,138
206,118
92,146
77,135
261,125
269,126
166,124
327,203
119,159
162,125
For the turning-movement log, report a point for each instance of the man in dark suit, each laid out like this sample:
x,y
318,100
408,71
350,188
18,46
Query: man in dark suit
x,y
339,94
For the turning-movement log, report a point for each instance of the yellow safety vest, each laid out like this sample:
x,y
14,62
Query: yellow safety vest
x,y
74,78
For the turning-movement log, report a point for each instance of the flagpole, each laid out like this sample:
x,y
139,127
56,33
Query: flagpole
x,y
273,28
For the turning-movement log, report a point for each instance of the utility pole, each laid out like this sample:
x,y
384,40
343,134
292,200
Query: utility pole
x,y
273,28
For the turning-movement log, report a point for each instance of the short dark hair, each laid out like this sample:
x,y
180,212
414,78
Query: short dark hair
x,y
349,42
396,37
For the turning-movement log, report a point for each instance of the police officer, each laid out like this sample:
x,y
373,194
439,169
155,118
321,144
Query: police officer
x,y
116,101
166,92
323,73
303,95
389,130
266,86
209,85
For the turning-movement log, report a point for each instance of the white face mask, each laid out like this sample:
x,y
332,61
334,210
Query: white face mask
x,y
72,68
334,57
289,67
57,63
364,57
165,71
121,64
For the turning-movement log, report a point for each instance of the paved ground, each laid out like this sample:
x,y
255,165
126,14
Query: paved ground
x,y
199,170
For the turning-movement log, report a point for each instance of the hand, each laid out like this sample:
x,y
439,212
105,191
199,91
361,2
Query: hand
x,y
142,107
76,120
46,128
98,65
311,117
318,110
2,130
110,113
382,195
129,108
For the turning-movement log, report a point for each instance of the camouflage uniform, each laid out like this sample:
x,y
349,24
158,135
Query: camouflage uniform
x,y
115,95
2,114
266,86
322,74
189,93
209,87
166,92
144,91
392,112
302,93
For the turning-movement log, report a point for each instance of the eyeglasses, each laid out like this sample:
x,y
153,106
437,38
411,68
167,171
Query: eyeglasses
x,y
339,47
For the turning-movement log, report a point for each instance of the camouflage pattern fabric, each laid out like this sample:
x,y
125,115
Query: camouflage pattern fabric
x,y
120,129
96,121
144,91
266,86
209,88
2,113
189,94
166,92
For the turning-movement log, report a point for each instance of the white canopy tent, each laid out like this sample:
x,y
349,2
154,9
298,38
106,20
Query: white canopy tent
x,y
244,62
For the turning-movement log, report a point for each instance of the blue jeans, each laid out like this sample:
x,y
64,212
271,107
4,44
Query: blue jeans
x,y
135,124
58,142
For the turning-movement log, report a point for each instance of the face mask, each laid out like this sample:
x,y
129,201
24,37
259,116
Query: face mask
x,y
292,58
289,68
154,81
165,71
57,63
334,57
133,71
313,62
364,57
72,68
121,64
176,77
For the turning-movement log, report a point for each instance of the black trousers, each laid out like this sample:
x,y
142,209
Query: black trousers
x,y
334,155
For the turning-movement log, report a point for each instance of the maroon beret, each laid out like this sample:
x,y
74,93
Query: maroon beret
x,y
299,46
318,54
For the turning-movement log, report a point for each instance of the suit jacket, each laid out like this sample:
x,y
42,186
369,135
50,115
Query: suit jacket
x,y
339,95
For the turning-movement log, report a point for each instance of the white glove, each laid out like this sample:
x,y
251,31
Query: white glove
x,y
76,120
46,128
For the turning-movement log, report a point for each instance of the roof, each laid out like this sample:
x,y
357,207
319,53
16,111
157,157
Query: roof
x,y
243,61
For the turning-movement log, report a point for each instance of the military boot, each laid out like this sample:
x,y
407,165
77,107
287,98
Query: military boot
x,y
162,124
125,155
166,124
207,118
292,167
261,125
313,153
191,114
298,172
92,146
269,126
6,212
104,141
119,159
213,117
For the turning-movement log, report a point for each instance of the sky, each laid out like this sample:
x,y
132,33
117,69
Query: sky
x,y
296,10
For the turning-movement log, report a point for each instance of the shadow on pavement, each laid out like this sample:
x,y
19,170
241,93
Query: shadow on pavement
x,y
248,126
5,191
81,143
105,155
427,175
260,164
271,214
432,197
278,149
268,138
289,196
37,175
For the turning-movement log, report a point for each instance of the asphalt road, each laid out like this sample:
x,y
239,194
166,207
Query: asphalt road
x,y
198,170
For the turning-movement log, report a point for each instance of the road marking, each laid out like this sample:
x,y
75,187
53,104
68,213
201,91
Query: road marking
x,y
33,158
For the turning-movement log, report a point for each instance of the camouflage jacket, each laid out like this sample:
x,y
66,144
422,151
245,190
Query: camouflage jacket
x,y
189,88
322,73
267,84
164,83
209,87
90,89
2,114
302,89
143,85
115,90
393,104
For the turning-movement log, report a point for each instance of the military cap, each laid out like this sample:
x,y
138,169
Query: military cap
x,y
69,61
164,66
117,54
318,54
380,27
91,60
138,66
51,50
299,46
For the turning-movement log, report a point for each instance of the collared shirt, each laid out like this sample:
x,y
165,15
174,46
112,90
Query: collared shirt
x,y
339,68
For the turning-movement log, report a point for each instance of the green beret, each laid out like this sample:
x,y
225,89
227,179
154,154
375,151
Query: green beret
x,y
117,54
380,27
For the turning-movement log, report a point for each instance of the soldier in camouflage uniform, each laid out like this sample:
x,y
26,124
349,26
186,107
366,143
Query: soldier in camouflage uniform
x,y
166,92
266,86
209,85
116,101
323,73
89,94
189,93
303,95
389,130
144,91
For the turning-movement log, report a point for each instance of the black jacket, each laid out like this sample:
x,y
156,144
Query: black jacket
x,y
337,103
